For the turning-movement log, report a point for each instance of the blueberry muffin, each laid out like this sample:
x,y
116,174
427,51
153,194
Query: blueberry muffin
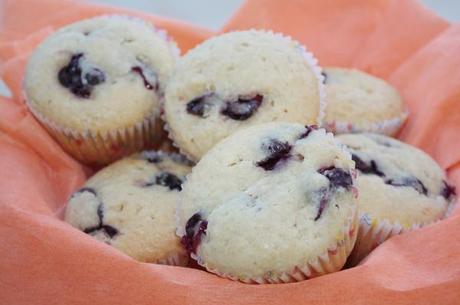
x,y
358,102
131,206
269,204
96,86
400,188
236,80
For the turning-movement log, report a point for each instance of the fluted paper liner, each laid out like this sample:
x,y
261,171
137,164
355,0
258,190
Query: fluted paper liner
x,y
174,260
97,148
372,232
387,127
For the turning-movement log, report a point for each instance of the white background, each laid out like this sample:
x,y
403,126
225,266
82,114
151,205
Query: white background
x,y
213,14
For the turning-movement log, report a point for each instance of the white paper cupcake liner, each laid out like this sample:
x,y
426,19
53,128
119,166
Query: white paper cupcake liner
x,y
174,260
387,127
100,148
312,62
333,259
373,232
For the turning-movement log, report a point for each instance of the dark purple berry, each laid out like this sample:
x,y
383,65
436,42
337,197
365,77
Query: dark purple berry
x,y
308,130
147,84
169,180
109,230
337,177
325,77
191,224
95,77
100,214
448,191
72,77
324,199
197,106
409,182
181,159
195,228
86,189
72,72
243,108
383,142
91,229
278,151
365,168
152,157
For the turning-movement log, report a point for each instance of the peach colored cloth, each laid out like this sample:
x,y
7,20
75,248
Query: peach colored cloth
x,y
43,260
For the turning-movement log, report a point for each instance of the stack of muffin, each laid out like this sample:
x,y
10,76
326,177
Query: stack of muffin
x,y
257,191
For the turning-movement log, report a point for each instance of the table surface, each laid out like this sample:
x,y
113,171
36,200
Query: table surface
x,y
212,14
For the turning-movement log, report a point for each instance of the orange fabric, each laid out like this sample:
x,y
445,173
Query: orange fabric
x,y
46,261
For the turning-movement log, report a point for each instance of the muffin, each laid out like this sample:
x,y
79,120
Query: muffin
x,y
400,188
236,80
96,86
269,204
130,205
360,102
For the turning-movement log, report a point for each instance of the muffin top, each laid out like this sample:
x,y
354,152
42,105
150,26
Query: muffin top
x,y
357,101
99,74
236,80
267,199
131,206
397,182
